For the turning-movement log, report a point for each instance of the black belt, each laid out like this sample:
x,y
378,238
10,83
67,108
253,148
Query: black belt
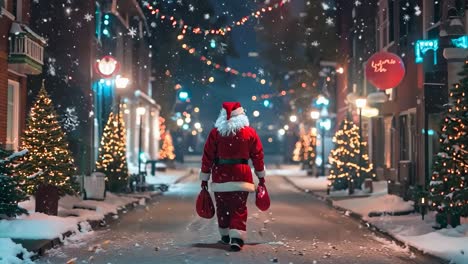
x,y
231,161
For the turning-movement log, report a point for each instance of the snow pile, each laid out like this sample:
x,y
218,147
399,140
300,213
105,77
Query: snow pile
x,y
379,188
69,219
379,203
450,244
9,252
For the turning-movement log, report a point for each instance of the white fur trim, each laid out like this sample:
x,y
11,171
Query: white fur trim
x,y
237,121
204,176
235,233
260,174
223,231
238,111
233,187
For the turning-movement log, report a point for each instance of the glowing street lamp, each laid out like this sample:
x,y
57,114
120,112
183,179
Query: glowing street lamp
x,y
315,115
121,82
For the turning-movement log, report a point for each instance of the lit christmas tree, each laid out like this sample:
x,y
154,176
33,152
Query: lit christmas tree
x,y
48,165
167,148
10,190
305,149
449,188
345,157
112,160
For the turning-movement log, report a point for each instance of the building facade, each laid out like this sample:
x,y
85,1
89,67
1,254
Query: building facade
x,y
21,55
428,35
81,34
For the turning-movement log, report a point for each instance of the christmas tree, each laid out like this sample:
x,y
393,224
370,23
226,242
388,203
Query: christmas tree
x,y
305,149
112,160
349,159
48,162
449,188
10,192
167,148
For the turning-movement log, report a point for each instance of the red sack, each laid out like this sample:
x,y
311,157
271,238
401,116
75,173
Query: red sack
x,y
262,199
205,207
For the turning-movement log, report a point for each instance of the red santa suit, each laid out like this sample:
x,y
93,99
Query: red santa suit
x,y
227,150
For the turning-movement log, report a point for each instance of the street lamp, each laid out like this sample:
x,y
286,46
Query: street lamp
x,y
325,125
315,115
360,104
140,112
293,118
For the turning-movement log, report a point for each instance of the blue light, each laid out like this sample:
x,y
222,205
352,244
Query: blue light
x,y
325,124
106,16
183,95
322,101
105,32
423,46
101,81
430,132
461,42
106,22
213,43
108,82
185,126
266,103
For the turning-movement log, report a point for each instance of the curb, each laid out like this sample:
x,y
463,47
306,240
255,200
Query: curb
x,y
369,225
46,244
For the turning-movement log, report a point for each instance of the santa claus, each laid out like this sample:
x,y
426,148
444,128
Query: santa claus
x,y
226,156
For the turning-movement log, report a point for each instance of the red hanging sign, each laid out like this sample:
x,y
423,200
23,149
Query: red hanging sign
x,y
107,66
385,70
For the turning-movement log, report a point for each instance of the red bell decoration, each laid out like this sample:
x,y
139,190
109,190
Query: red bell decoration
x,y
385,70
205,206
262,199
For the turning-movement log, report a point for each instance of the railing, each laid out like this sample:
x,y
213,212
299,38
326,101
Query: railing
x,y
23,45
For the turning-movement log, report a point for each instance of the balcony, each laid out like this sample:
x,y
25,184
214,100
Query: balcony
x,y
26,50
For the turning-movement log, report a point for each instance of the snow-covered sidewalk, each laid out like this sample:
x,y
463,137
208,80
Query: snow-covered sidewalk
x,y
74,217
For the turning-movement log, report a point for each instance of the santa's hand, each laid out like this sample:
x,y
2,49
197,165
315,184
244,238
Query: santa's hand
x,y
261,181
204,185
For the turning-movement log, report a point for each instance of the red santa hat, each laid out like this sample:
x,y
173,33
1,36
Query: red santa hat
x,y
232,109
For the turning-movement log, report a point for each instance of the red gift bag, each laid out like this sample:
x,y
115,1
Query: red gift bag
x,y
262,199
205,207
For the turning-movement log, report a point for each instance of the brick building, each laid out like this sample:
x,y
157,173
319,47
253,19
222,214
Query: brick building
x,y
403,138
21,55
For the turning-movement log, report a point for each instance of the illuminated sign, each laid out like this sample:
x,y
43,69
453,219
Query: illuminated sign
x,y
107,66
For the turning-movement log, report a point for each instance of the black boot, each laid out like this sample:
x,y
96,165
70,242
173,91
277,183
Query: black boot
x,y
236,244
225,240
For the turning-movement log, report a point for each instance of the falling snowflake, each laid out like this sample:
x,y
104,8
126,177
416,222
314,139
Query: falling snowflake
x,y
261,72
88,17
329,21
207,16
357,3
325,6
153,24
191,8
406,17
417,10
132,32
315,43
78,25
70,120
51,67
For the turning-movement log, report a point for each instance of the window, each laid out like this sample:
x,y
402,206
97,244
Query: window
x,y
3,4
388,126
12,115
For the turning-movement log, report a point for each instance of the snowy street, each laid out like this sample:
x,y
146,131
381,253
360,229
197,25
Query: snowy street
x,y
297,229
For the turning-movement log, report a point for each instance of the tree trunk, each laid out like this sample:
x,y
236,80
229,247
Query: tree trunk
x,y
47,198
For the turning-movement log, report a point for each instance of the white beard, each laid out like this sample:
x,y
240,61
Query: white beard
x,y
233,125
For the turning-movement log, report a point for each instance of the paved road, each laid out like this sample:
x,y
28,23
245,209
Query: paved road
x,y
298,229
